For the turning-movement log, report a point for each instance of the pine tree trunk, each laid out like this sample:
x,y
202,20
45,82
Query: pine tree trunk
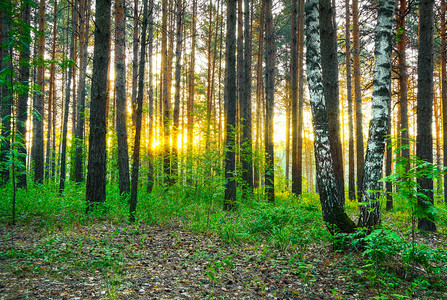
x,y
80,124
136,42
38,145
150,179
444,90
296,183
329,56
378,128
424,140
22,107
96,171
269,102
300,41
178,70
190,103
351,163
230,104
139,113
67,100
358,99
120,96
6,95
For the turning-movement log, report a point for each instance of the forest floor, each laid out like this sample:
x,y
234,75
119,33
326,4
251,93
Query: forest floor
x,y
109,261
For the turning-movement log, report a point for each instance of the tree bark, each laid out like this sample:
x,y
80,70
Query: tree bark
x,y
351,162
38,145
269,102
96,171
80,124
424,140
333,212
139,113
120,96
444,90
329,56
150,179
178,70
67,100
190,103
135,45
296,182
22,106
230,104
378,128
6,94
358,98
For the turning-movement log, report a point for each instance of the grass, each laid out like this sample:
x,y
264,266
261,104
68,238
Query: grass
x,y
388,260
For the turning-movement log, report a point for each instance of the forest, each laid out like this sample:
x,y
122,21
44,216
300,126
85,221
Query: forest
x,y
238,149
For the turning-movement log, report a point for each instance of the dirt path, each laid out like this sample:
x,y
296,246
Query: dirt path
x,y
106,261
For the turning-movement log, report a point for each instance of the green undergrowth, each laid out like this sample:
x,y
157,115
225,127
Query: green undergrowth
x,y
388,260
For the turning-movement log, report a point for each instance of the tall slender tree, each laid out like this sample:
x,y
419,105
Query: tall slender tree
x,y
351,163
296,182
67,98
329,55
96,170
83,63
136,152
120,96
444,89
150,179
190,101
22,107
38,144
269,104
424,146
357,98
230,104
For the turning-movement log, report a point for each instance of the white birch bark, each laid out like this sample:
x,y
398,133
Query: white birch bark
x,y
333,212
373,169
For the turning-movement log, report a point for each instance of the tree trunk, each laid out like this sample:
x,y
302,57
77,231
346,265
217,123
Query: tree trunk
x,y
444,90
22,107
80,124
139,113
333,212
96,170
296,183
351,175
424,140
67,100
230,104
329,56
120,96
358,98
38,145
135,45
6,94
378,128
178,70
269,101
150,179
300,41
190,104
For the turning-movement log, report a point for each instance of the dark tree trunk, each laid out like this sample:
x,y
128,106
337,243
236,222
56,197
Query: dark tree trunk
x,y
299,168
38,145
190,103
150,179
5,94
351,175
67,100
139,113
230,104
358,98
120,96
424,146
444,90
80,124
296,183
378,128
22,106
333,212
269,101
178,70
96,170
135,45
328,34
